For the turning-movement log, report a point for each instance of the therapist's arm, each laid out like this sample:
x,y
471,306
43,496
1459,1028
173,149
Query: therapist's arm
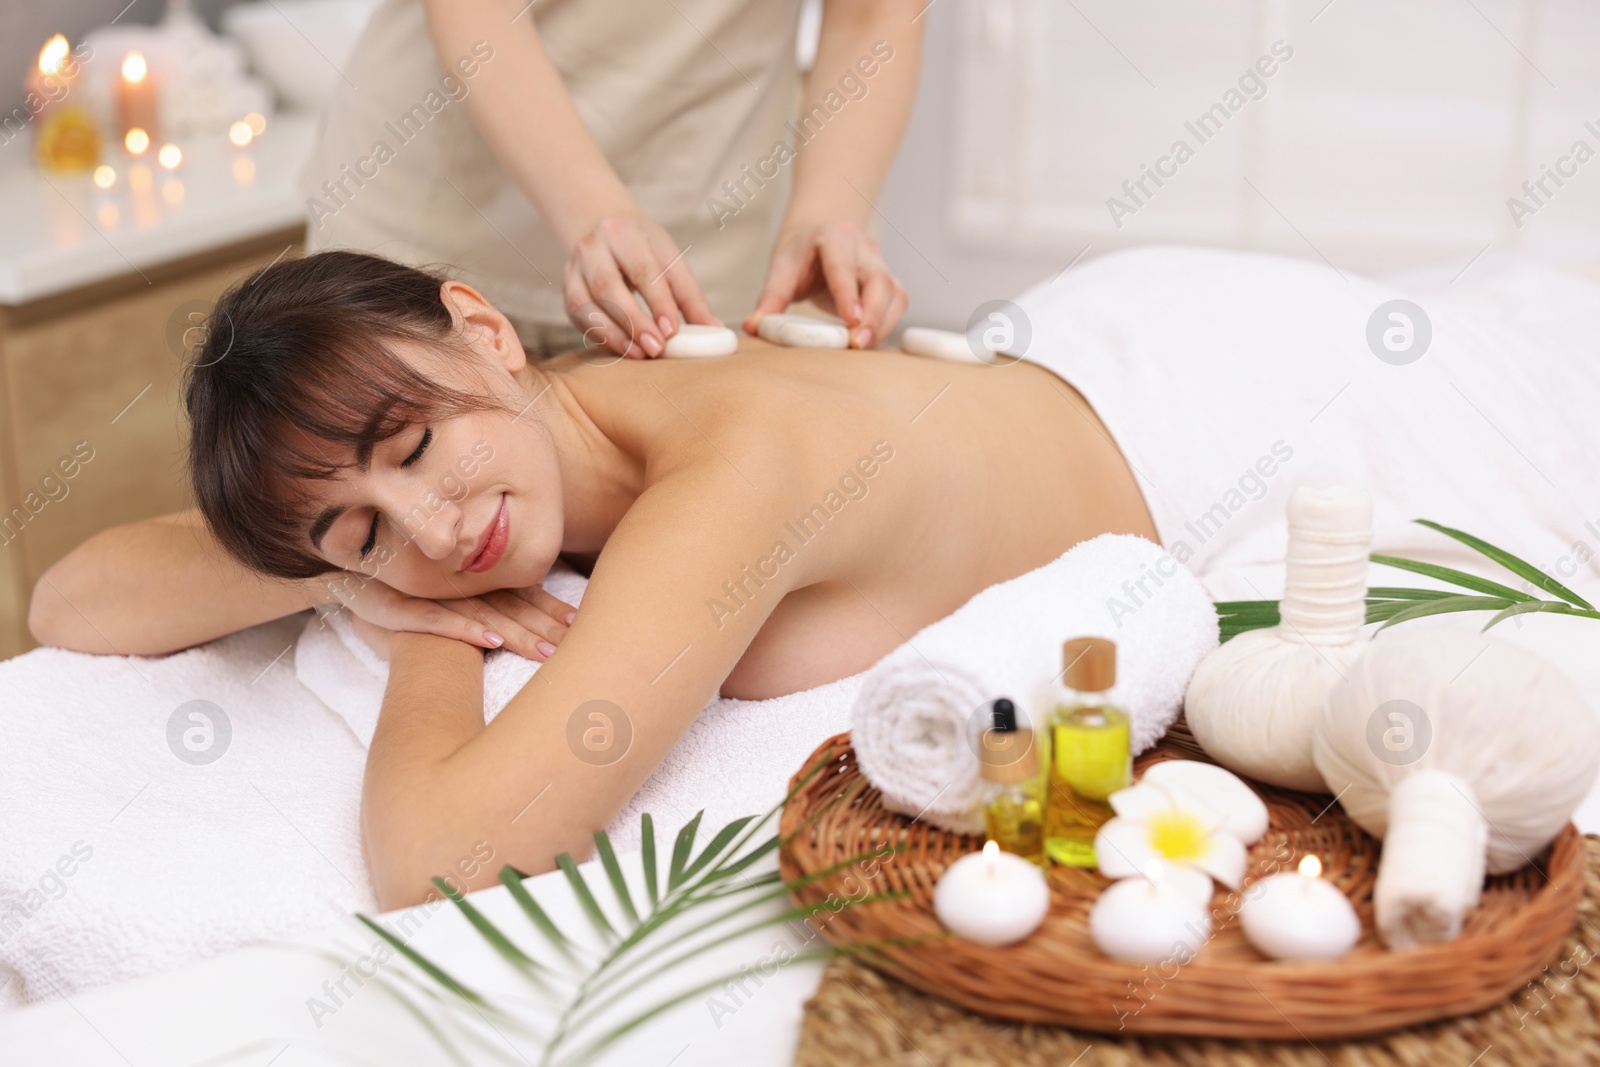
x,y
823,251
523,112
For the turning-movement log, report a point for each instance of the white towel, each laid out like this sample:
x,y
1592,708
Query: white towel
x,y
333,662
734,759
121,858
915,724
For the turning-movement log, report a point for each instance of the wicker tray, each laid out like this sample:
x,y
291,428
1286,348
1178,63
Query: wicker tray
x,y
1057,976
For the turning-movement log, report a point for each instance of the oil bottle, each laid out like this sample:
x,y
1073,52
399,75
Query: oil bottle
x,y
1009,758
1089,752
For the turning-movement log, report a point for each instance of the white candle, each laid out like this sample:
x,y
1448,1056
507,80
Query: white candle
x,y
1298,916
1144,920
992,897
137,105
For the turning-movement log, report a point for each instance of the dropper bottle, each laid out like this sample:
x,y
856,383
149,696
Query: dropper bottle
x,y
1008,758
1090,757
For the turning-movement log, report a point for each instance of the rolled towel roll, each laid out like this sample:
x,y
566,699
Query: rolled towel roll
x,y
917,719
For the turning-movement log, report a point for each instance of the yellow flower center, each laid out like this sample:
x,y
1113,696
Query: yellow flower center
x,y
1177,835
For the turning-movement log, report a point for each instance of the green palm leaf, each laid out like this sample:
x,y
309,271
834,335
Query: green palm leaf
x,y
512,879
647,854
491,933
695,882
1390,605
586,900
681,849
1451,575
1516,566
608,860
1444,607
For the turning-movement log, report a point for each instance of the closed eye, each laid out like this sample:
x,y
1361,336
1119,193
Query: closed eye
x,y
372,537
422,446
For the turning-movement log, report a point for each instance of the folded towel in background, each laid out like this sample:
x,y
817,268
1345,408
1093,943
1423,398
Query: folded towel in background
x,y
734,760
920,710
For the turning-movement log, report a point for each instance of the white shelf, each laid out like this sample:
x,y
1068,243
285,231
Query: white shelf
x,y
59,233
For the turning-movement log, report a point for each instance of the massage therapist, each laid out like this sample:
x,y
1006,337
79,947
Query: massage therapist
x,y
560,153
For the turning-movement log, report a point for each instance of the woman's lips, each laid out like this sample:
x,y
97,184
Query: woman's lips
x,y
495,541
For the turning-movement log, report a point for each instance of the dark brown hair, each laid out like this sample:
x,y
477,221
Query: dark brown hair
x,y
297,364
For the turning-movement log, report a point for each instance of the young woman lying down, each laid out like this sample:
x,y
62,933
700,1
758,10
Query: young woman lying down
x,y
368,434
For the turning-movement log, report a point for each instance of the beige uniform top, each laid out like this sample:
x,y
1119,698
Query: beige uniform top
x,y
683,97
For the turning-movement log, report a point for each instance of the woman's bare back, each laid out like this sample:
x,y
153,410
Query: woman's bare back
x,y
907,485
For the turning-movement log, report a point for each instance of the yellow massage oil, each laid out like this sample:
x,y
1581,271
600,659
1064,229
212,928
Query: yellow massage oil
x,y
1089,752
1008,758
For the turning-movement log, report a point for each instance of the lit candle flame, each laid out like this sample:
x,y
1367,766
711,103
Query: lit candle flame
x,y
52,55
137,141
169,156
991,849
241,133
105,177
1311,867
134,68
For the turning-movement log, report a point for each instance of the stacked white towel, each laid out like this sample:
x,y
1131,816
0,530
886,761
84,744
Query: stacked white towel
x,y
916,722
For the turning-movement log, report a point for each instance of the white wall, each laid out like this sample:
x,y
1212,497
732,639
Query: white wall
x,y
1392,138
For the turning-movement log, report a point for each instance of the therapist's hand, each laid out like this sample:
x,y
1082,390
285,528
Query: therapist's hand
x,y
839,268
623,253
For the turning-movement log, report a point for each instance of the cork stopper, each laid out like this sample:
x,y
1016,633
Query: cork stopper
x,y
1007,752
1007,756
1090,664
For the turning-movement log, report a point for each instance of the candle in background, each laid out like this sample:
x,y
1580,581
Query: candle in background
x,y
1299,916
65,137
1145,920
992,897
136,103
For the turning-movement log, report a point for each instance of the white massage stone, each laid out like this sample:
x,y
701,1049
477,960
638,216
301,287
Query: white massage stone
x,y
939,344
801,331
693,340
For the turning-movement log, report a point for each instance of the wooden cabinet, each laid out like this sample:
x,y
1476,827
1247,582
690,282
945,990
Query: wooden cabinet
x,y
91,427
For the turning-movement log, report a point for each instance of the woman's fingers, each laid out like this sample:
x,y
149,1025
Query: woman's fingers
x,y
443,620
783,278
685,289
557,609
531,626
883,299
838,253
584,312
647,274
548,622
839,269
634,335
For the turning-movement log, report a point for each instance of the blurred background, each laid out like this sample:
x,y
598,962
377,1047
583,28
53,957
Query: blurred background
x,y
150,154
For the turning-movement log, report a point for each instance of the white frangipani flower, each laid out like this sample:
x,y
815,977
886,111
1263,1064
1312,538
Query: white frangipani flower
x,y
1195,818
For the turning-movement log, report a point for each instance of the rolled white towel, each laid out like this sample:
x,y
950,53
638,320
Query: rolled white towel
x,y
916,722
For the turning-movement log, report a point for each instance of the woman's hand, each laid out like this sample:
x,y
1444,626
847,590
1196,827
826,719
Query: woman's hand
x,y
529,622
839,268
621,254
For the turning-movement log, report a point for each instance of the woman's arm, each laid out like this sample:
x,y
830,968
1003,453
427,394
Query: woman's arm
x,y
646,653
156,586
822,249
523,112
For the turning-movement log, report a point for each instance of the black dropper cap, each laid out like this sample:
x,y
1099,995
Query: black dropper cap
x,y
1004,716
